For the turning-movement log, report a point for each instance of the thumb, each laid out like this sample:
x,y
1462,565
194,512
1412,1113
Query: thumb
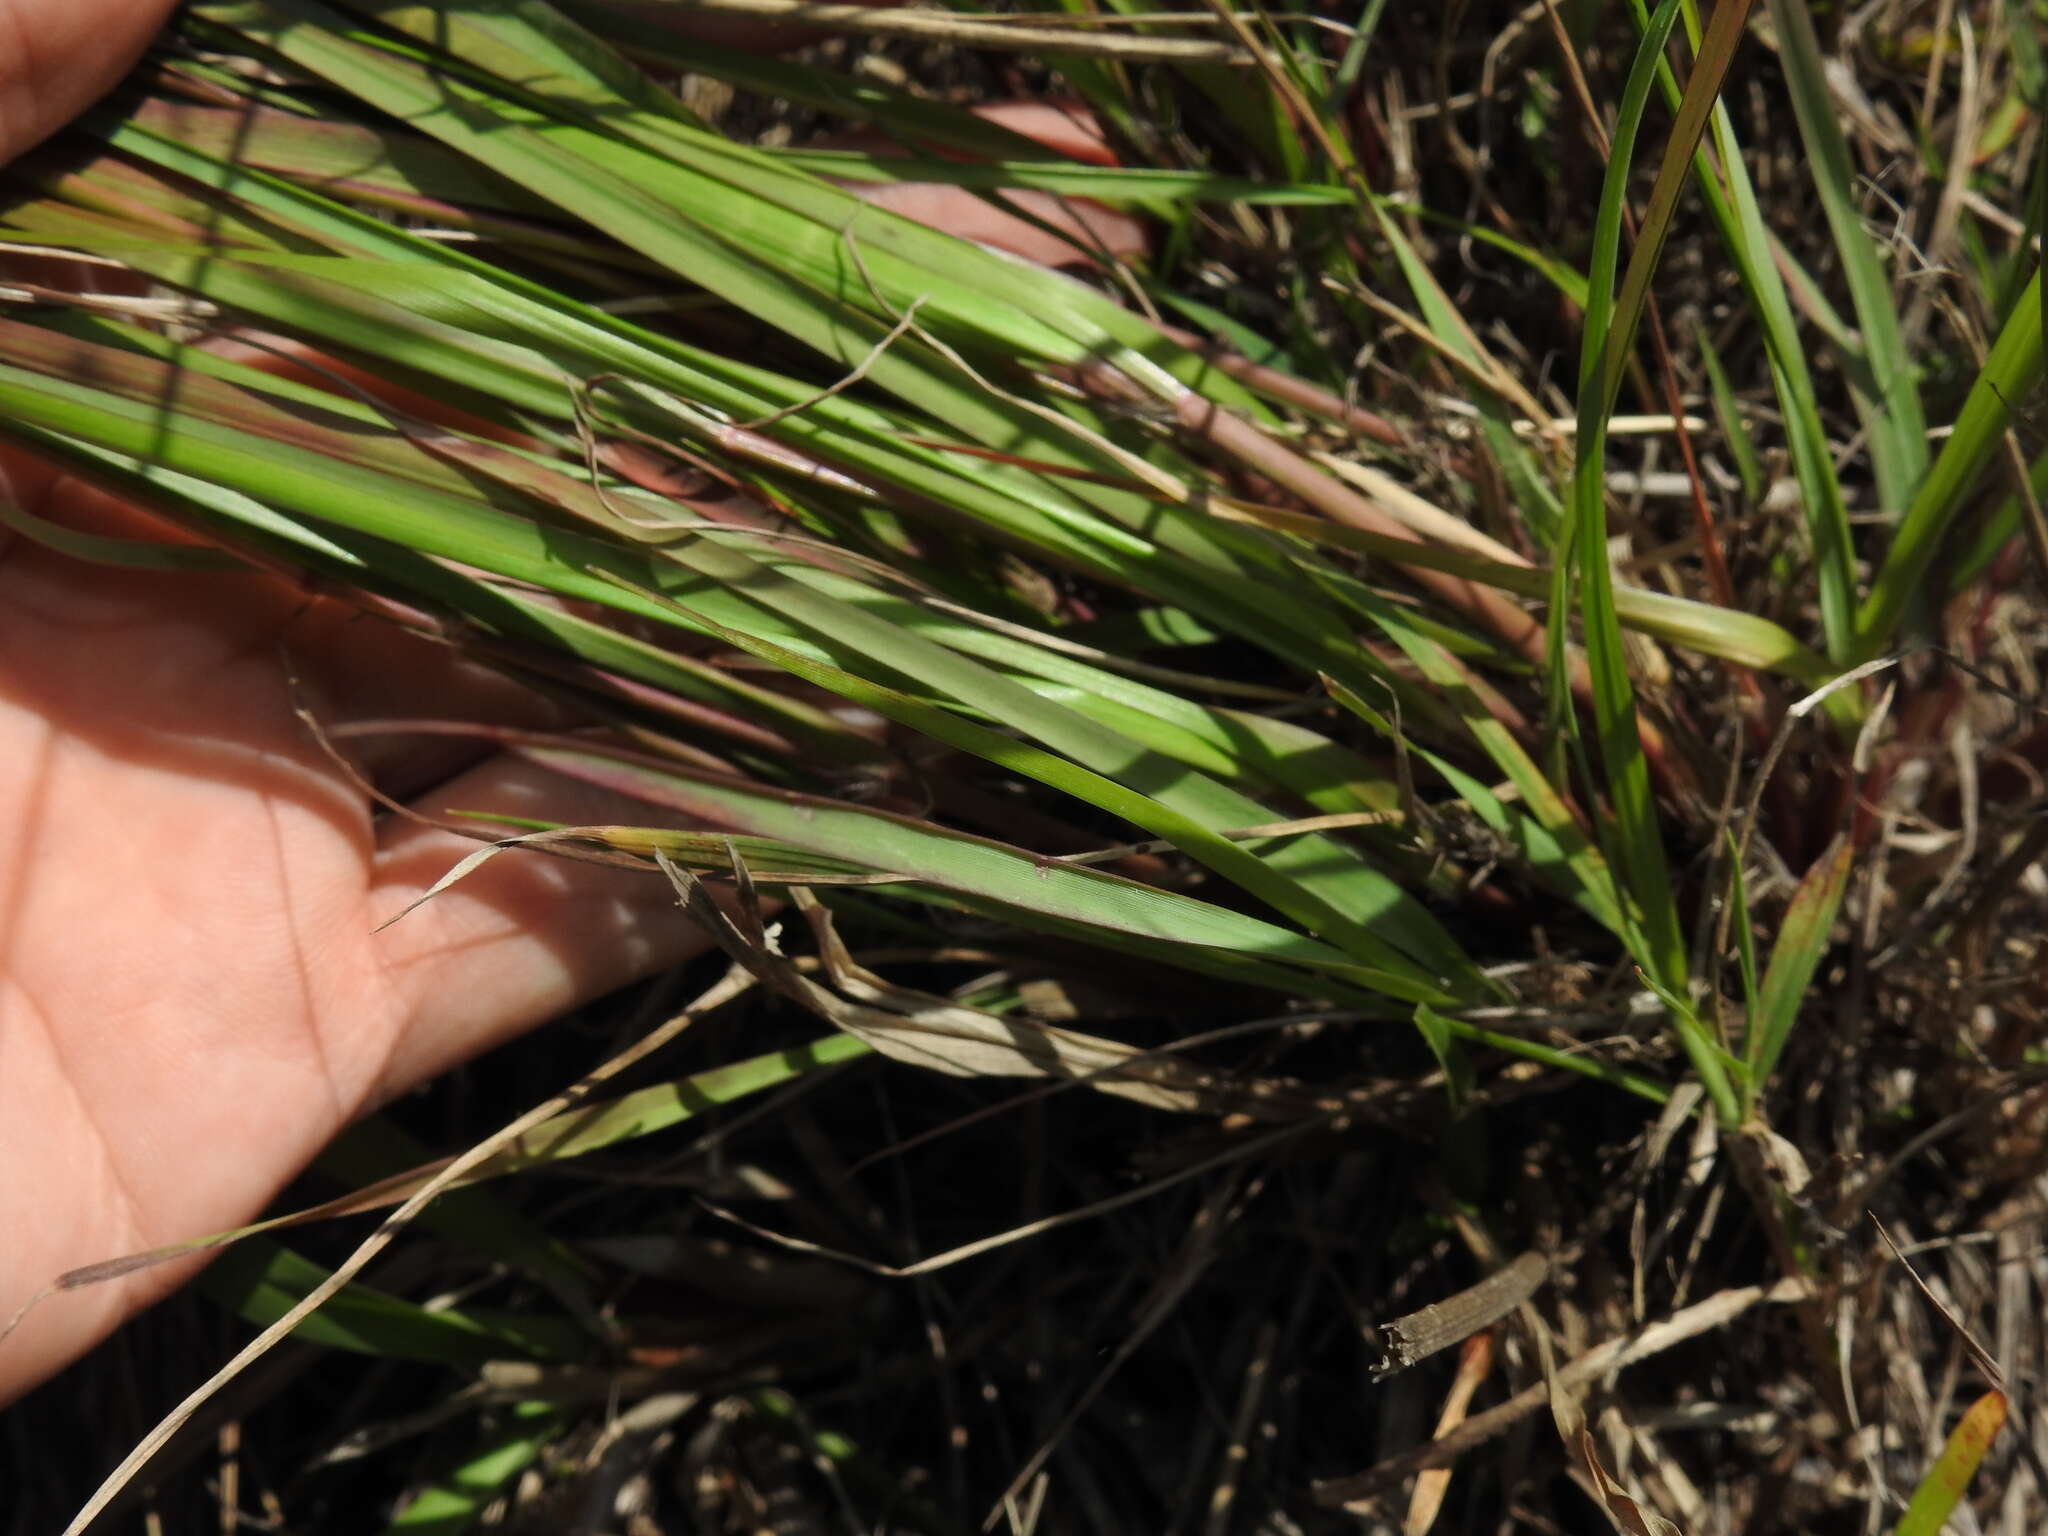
x,y
57,57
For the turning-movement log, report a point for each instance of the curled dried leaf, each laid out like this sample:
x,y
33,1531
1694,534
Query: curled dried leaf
x,y
925,1030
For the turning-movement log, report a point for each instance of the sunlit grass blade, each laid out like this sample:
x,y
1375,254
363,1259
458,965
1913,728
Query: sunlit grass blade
x,y
517,630
1724,182
1239,745
1585,875
1100,182
1949,1478
2009,376
733,597
453,1502
887,572
1745,638
1894,420
837,271
1379,914
1636,842
1796,953
440,311
343,158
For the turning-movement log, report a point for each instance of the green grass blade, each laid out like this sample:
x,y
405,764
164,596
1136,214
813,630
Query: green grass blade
x,y
587,1128
1826,510
760,234
2009,375
593,1127
1247,748
760,718
1437,1032
481,1221
1387,919
1534,497
1975,553
341,157
947,860
1796,954
915,120
1894,421
1723,181
1638,849
439,310
1580,869
1949,1478
1744,638
1734,430
1752,981
1561,275
452,1502
1567,861
1573,1061
1104,183
261,1280
728,594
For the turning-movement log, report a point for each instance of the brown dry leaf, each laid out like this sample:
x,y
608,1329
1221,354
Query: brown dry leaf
x,y
1628,1516
1783,1161
932,1032
1626,1513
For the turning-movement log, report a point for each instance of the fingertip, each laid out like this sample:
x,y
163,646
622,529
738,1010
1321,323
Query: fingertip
x,y
1065,127
1067,231
57,57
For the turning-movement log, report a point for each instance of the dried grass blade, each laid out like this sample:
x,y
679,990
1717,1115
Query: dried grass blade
x,y
941,1036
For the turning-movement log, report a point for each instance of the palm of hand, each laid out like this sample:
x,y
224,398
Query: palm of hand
x,y
192,999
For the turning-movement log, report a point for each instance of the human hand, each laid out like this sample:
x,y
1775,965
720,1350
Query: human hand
x,y
57,57
192,996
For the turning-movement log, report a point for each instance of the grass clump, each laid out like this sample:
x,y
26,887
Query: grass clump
x,y
1462,706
